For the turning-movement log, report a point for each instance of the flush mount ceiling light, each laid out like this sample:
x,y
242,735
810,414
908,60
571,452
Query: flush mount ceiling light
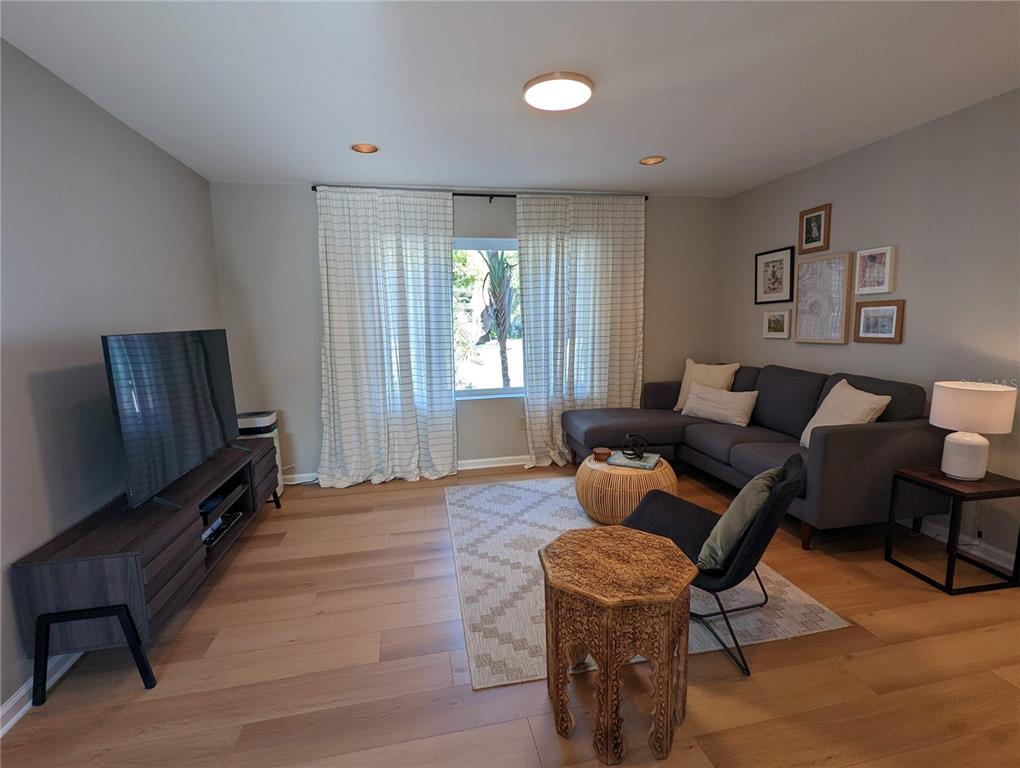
x,y
365,149
652,160
558,91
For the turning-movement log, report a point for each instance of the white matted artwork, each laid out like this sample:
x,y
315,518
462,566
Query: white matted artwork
x,y
880,322
773,276
822,308
875,271
776,324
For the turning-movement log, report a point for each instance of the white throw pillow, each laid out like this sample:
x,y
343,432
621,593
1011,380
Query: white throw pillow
x,y
720,405
845,405
715,376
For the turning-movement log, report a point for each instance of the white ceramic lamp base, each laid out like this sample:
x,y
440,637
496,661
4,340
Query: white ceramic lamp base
x,y
965,456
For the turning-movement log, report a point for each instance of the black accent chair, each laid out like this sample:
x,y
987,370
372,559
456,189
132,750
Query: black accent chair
x,y
688,525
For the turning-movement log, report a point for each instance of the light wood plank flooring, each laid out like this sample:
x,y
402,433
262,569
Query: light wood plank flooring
x,y
332,637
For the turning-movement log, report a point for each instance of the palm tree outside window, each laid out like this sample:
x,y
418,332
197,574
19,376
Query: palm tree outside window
x,y
487,322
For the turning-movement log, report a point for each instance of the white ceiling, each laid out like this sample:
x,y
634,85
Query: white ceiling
x,y
735,94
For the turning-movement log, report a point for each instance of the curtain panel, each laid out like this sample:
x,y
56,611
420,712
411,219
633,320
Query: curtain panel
x,y
386,265
582,301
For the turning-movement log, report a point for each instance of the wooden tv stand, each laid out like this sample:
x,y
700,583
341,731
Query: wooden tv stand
x,y
118,576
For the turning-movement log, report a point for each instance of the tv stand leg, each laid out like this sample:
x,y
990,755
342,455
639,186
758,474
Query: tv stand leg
x,y
44,621
135,645
276,499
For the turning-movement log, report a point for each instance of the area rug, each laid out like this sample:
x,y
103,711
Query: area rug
x,y
497,530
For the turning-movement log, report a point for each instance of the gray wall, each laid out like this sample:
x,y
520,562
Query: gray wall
x,y
267,251
681,264
102,232
948,195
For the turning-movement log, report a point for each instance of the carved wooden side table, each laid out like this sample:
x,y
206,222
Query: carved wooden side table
x,y
615,593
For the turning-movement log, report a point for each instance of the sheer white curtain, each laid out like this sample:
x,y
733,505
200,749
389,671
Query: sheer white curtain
x,y
386,263
582,292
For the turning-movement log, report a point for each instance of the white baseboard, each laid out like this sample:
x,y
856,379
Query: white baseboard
x,y
988,552
15,707
495,461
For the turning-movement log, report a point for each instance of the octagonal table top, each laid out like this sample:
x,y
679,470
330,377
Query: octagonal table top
x,y
617,566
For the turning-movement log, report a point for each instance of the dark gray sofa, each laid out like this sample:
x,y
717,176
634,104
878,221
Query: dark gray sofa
x,y
849,468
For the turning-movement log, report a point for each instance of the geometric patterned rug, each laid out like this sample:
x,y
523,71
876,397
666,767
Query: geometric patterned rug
x,y
497,530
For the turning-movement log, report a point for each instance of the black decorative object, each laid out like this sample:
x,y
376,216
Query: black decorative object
x,y
634,446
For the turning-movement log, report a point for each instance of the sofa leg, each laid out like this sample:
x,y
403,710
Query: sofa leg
x,y
806,529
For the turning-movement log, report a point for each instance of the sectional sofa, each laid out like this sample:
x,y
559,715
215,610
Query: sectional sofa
x,y
849,467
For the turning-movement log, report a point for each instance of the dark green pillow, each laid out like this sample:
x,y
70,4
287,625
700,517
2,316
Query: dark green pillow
x,y
735,520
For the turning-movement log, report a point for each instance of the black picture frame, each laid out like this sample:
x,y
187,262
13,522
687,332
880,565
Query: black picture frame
x,y
787,254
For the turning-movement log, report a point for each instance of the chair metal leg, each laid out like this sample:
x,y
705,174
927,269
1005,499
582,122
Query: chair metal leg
x,y
702,618
276,499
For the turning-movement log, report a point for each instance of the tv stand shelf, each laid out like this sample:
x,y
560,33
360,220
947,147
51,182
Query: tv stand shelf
x,y
150,559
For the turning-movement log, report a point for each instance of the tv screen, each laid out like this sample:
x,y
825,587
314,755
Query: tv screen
x,y
173,400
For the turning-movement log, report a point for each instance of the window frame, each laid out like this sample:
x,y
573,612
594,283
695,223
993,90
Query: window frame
x,y
487,244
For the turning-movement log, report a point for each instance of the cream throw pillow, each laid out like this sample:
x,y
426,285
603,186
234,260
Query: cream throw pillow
x,y
715,376
845,405
720,405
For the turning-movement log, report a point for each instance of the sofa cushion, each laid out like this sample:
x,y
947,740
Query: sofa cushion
x,y
845,405
754,458
787,398
607,426
908,400
720,405
745,379
716,440
719,376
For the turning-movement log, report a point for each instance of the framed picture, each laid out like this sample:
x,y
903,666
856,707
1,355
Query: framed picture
x,y
773,276
879,322
814,229
776,324
875,271
822,309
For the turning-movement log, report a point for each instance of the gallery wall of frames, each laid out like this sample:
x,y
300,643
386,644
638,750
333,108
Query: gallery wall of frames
x,y
831,293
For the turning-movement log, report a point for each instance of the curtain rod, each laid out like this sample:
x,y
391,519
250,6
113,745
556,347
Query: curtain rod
x,y
489,195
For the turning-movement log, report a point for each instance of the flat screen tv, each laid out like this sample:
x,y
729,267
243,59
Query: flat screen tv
x,y
173,401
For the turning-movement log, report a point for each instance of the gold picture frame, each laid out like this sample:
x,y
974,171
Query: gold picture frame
x,y
821,310
813,233
879,322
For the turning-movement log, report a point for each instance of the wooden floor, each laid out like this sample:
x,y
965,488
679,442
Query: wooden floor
x,y
333,638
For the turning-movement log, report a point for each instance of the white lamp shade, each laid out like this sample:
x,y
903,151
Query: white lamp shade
x,y
971,406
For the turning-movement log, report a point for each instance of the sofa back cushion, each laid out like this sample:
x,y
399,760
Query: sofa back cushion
x,y
907,399
745,379
787,398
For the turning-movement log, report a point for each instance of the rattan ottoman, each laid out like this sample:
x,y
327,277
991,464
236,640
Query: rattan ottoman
x,y
608,494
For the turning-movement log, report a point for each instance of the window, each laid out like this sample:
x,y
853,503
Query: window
x,y
487,316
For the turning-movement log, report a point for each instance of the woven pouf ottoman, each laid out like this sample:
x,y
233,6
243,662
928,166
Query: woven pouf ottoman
x,y
608,494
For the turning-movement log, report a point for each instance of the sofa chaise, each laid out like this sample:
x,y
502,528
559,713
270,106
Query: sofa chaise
x,y
849,467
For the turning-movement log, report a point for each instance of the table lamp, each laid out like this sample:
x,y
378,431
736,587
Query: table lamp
x,y
970,408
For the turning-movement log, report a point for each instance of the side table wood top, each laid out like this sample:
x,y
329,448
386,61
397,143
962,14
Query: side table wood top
x,y
991,486
617,566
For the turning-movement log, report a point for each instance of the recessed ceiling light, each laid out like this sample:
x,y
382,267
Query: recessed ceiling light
x,y
652,160
558,91
365,149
